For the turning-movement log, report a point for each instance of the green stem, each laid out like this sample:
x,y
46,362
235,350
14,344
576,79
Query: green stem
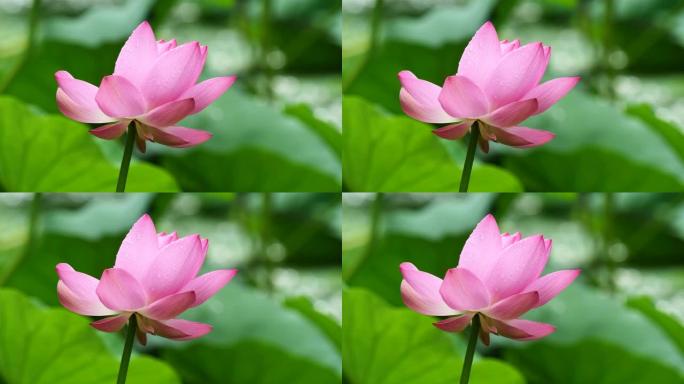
x,y
34,19
470,352
376,23
265,48
470,157
128,348
374,236
265,241
126,160
34,222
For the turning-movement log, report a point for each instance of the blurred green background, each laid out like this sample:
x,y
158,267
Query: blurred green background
x,y
277,321
622,321
280,121
619,130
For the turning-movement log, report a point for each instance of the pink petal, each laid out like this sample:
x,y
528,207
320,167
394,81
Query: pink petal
x,y
419,99
481,55
507,46
207,91
112,323
169,113
169,307
517,266
512,114
453,131
514,306
479,254
522,137
463,99
548,93
174,266
163,46
454,324
138,249
520,329
180,137
76,292
173,73
175,329
111,131
118,97
120,291
420,292
76,99
548,286
516,74
164,239
463,291
137,55
207,285
507,239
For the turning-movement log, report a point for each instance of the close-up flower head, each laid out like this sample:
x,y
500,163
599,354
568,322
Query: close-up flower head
x,y
154,86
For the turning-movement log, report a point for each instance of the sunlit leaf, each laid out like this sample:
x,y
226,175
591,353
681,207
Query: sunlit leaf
x,y
58,347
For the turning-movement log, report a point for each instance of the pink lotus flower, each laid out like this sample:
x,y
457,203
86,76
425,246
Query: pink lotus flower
x,y
497,279
153,85
154,278
497,84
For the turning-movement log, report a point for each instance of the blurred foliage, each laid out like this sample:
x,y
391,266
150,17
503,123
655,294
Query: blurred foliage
x,y
388,345
622,321
627,52
283,309
281,120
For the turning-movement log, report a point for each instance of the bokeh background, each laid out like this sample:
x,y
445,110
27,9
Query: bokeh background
x,y
621,129
277,321
281,120
622,321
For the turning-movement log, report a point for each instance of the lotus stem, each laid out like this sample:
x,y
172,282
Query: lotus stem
x,y
128,348
470,352
470,157
126,160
